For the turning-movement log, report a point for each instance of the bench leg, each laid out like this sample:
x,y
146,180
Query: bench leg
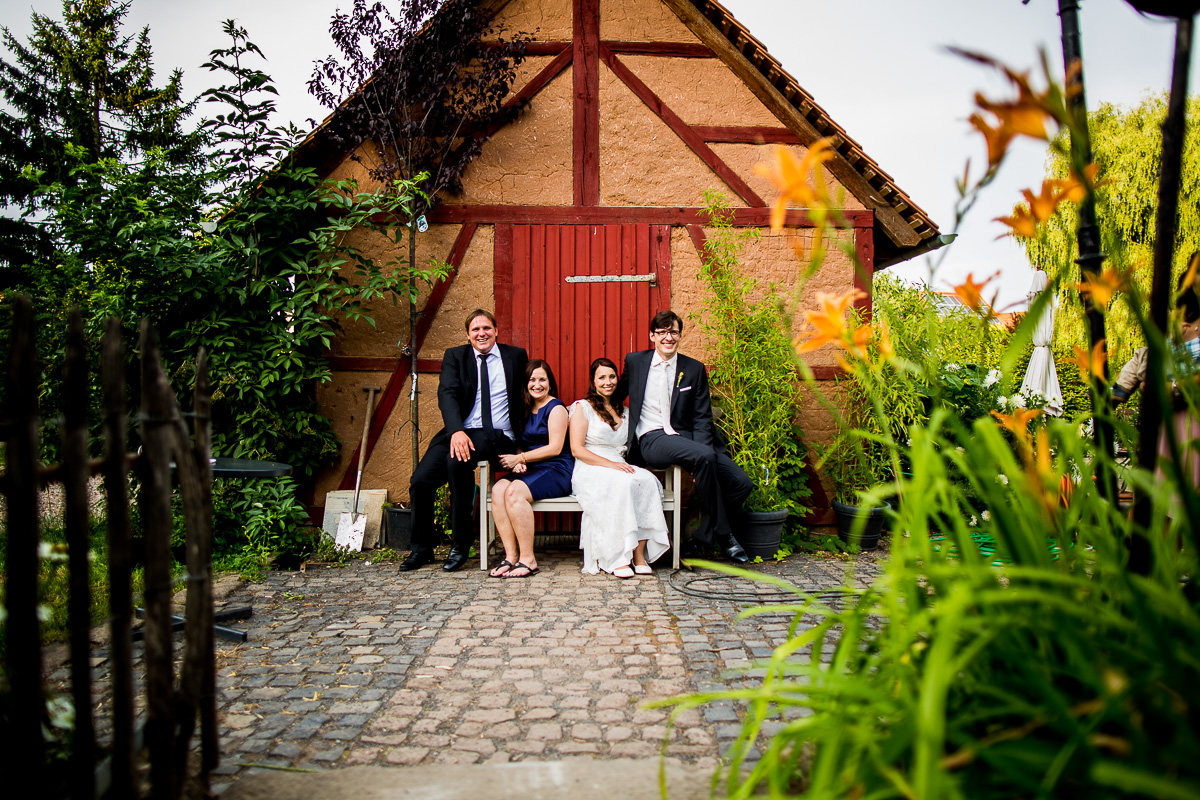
x,y
676,480
485,497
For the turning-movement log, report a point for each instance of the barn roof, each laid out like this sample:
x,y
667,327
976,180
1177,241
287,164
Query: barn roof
x,y
908,230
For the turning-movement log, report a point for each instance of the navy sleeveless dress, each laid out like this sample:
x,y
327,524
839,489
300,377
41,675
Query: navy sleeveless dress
x,y
552,476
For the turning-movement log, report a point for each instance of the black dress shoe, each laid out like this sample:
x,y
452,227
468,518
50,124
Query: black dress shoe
x,y
455,560
416,559
735,553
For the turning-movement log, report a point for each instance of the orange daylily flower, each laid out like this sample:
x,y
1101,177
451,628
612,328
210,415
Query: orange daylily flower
x,y
799,180
1091,364
1018,421
829,323
1039,208
971,293
1025,115
1022,222
1101,288
1074,187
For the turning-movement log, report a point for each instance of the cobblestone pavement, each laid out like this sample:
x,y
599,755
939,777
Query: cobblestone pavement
x,y
362,664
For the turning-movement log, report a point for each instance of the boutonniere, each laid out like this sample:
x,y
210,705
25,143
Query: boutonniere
x,y
678,378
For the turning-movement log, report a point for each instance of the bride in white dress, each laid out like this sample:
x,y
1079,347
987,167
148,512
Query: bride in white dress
x,y
623,526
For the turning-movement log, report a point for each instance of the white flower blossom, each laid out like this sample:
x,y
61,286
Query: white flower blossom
x,y
993,376
1018,401
987,515
52,552
973,522
1001,401
952,367
959,450
1002,478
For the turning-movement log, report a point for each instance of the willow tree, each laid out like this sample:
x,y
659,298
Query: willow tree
x,y
1127,144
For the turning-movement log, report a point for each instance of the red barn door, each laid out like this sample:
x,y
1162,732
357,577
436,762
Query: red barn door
x,y
572,293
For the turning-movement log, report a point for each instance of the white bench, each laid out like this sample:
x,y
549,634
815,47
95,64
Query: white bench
x,y
672,502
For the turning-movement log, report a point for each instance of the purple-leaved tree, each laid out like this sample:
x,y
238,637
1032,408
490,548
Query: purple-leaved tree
x,y
416,93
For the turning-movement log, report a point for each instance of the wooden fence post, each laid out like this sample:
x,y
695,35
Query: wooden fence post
x,y
155,501
79,603
195,482
120,603
23,641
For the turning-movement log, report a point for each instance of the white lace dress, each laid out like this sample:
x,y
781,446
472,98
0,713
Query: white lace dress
x,y
619,508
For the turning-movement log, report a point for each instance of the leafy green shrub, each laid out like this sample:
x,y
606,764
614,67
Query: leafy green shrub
x,y
755,383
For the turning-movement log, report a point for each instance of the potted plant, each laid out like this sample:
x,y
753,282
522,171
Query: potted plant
x,y
754,381
849,465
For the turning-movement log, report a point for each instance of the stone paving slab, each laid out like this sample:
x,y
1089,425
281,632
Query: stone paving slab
x,y
573,778
362,665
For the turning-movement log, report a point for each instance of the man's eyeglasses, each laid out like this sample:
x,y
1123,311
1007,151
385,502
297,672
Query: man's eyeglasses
x,y
672,334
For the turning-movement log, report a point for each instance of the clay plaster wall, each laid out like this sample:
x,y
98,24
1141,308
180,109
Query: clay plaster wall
x,y
641,21
472,289
545,20
702,91
530,161
344,401
642,161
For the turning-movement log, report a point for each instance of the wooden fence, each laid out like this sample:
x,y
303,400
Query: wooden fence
x,y
160,748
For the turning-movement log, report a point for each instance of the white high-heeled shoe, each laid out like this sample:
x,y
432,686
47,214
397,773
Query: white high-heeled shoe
x,y
623,572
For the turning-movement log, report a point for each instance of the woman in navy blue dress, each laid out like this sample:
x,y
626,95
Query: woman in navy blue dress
x,y
543,469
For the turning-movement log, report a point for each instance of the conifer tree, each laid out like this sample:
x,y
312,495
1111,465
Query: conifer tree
x,y
77,83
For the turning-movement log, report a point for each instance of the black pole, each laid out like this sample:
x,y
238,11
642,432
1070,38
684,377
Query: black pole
x,y
1165,229
1087,235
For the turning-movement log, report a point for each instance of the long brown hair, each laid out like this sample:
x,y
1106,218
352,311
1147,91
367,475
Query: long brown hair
x,y
595,398
536,363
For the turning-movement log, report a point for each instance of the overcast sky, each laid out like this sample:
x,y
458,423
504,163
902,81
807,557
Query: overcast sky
x,y
878,67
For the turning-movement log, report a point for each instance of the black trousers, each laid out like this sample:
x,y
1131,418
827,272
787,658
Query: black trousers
x,y
721,485
438,468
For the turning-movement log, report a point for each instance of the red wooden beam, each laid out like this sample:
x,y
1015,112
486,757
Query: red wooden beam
x,y
613,215
745,134
395,384
586,107
670,49
864,247
539,81
681,129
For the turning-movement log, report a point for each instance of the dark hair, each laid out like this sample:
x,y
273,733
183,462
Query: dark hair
x,y
536,363
595,399
480,312
664,320
1188,299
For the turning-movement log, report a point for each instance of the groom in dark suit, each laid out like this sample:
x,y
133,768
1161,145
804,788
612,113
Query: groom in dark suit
x,y
670,422
479,395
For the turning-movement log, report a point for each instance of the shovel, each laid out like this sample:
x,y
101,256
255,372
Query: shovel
x,y
351,524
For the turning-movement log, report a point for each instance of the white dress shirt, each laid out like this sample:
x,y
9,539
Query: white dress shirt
x,y
498,389
656,408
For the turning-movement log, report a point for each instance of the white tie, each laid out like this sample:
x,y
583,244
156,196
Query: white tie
x,y
666,400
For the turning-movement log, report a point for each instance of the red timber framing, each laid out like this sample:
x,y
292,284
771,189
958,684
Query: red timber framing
x,y
586,69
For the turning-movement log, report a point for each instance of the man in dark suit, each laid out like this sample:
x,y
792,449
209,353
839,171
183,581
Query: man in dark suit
x,y
670,422
480,397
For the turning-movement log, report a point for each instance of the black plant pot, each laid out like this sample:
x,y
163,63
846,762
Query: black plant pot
x,y
398,528
868,537
762,532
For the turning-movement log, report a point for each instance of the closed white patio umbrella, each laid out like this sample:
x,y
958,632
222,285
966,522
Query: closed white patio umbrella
x,y
1041,377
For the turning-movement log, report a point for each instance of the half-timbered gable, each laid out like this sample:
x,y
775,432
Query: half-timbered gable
x,y
582,218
